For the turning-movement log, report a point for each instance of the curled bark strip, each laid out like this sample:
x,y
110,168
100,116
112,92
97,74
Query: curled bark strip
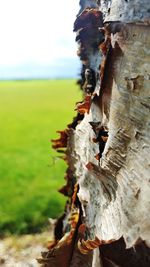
x,y
60,253
84,107
89,18
86,246
62,141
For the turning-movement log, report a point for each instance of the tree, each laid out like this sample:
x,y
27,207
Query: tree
x,y
107,217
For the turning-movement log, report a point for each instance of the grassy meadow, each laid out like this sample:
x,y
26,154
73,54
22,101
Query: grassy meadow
x,y
30,114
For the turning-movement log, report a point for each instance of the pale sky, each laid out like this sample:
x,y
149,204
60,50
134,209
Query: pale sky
x,y
36,31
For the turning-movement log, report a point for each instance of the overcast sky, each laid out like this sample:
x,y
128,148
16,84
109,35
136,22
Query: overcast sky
x,y
37,31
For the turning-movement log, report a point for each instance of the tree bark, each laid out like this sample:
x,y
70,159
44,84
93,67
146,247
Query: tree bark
x,y
107,218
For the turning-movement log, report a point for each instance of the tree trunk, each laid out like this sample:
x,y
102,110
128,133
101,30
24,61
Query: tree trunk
x,y
107,218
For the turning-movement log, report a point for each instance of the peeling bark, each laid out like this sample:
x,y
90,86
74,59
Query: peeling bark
x,y
107,144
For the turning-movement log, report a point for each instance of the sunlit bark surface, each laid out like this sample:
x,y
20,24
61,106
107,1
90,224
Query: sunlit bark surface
x,y
107,217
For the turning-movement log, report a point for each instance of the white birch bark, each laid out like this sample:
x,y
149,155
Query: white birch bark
x,y
114,192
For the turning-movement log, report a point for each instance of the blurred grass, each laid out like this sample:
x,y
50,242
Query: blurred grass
x,y
30,114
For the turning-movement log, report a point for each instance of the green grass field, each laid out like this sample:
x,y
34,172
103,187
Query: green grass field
x,y
30,114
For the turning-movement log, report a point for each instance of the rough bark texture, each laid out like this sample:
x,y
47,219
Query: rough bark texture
x,y
107,218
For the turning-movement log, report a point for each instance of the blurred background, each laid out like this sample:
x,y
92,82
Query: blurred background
x,y
38,72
